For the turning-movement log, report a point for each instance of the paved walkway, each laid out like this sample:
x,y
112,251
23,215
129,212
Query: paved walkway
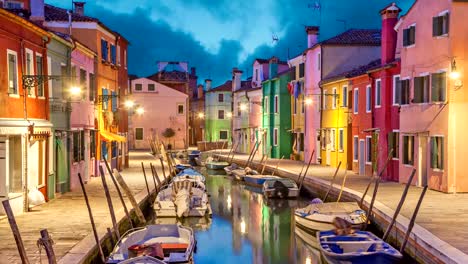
x,y
66,218
443,215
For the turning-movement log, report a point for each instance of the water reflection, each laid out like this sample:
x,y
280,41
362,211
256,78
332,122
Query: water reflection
x,y
245,228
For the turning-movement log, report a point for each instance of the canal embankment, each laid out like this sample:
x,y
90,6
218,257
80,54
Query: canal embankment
x,y
440,232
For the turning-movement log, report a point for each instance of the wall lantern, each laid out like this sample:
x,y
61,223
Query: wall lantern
x,y
455,75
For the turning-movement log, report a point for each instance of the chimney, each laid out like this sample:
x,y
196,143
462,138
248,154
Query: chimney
x,y
389,35
193,71
273,66
236,79
312,35
207,85
79,7
37,10
200,91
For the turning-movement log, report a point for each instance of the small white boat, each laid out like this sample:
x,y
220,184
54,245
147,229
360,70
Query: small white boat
x,y
318,217
280,188
230,168
170,243
183,199
189,174
240,173
143,260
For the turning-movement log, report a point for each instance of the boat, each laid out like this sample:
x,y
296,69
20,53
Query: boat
x,y
182,166
215,164
239,174
308,240
230,168
198,162
182,199
356,248
192,156
189,174
143,260
169,243
280,188
258,180
319,217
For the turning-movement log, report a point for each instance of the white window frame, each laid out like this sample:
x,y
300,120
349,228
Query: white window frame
x,y
367,154
394,102
227,134
30,67
14,53
142,133
356,101
183,108
43,73
344,92
355,148
275,137
276,105
334,103
266,105
399,148
49,72
333,139
324,100
341,142
368,99
414,44
378,96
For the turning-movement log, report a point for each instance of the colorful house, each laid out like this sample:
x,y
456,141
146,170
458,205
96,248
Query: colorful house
x,y
197,116
124,91
218,112
247,119
171,108
25,130
277,112
432,42
326,59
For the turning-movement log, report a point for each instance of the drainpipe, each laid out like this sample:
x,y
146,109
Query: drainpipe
x,y
26,136
69,111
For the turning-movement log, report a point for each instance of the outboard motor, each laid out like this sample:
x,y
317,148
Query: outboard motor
x,y
280,189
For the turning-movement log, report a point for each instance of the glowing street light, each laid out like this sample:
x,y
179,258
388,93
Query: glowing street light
x,y
243,107
75,90
455,75
242,226
201,115
308,101
140,110
129,103
229,115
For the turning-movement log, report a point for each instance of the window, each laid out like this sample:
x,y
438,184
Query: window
x,y
409,36
333,139
256,74
180,109
118,55
355,148
276,104
265,104
12,72
104,50
138,87
13,5
301,142
39,71
114,148
437,153
325,134
334,98
125,59
275,137
405,92
440,25
113,54
92,147
368,149
76,146
239,112
114,101
223,135
220,97
394,143
356,101
378,93
30,68
82,145
139,133
341,139
408,150
319,61
344,94
220,114
105,104
83,83
151,87
301,70
302,104
396,90
324,100
92,87
294,105
421,89
368,99
438,87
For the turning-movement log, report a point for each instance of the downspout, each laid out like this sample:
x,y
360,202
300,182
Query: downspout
x,y
26,136
69,110
372,81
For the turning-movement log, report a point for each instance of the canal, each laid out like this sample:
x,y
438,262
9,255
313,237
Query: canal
x,y
246,228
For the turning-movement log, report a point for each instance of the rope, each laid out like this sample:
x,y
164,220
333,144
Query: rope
x,y
41,243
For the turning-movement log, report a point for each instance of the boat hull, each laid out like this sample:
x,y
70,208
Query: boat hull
x,y
272,193
216,166
257,179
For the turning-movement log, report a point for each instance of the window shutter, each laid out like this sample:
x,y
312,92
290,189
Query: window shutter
x,y
435,85
418,89
435,26
398,92
412,35
390,137
405,37
447,23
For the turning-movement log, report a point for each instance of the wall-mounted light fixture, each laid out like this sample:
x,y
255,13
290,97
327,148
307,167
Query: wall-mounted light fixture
x,y
455,76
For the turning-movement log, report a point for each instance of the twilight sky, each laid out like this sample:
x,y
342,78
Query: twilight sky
x,y
216,35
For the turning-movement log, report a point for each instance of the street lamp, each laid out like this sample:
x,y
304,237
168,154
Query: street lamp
x,y
229,115
140,110
75,91
129,104
243,107
201,115
308,101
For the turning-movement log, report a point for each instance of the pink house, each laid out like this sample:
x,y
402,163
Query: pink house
x,y
164,107
82,120
432,46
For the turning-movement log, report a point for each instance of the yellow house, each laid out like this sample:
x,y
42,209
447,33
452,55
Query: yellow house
x,y
335,123
296,87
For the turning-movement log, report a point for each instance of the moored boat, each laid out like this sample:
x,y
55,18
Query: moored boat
x,y
143,260
280,188
319,217
216,165
258,180
181,167
230,168
189,174
240,173
356,248
170,243
192,157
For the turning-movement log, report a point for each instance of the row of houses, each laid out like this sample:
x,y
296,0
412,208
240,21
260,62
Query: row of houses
x,y
63,75
360,98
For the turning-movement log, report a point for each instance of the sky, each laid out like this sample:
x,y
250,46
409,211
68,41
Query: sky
x,y
216,35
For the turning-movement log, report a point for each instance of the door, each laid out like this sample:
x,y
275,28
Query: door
x,y
422,161
318,151
3,166
362,157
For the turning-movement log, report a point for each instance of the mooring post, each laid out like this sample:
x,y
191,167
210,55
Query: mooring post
x,y
111,236
413,219
93,225
144,175
128,192
307,169
389,157
371,206
155,175
124,205
109,202
342,185
162,166
332,181
15,231
46,242
277,165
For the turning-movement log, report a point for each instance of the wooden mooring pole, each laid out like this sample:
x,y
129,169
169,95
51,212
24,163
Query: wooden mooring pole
x,y
277,165
307,169
15,231
93,225
155,175
46,242
389,157
413,219
146,180
332,182
128,192
109,202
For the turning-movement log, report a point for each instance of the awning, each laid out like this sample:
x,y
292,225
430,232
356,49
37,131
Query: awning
x,y
108,136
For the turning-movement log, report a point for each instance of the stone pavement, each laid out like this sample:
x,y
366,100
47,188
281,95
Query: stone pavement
x,y
443,215
66,218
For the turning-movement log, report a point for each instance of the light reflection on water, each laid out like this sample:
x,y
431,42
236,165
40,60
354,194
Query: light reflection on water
x,y
245,228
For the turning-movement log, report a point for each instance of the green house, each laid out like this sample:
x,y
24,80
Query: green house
x,y
277,112
218,112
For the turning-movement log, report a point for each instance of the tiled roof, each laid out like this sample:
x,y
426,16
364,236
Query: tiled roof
x,y
354,72
246,85
367,37
262,61
53,13
226,87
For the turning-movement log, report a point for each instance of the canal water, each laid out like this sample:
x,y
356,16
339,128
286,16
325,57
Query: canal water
x,y
246,228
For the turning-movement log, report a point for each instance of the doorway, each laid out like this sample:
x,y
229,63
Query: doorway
x,y
422,161
362,157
